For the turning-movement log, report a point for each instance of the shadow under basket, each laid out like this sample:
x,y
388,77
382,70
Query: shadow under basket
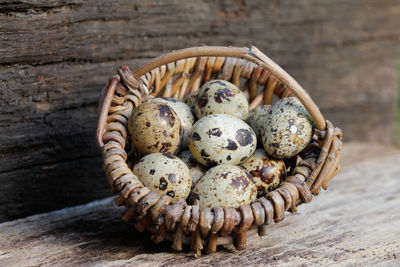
x,y
179,74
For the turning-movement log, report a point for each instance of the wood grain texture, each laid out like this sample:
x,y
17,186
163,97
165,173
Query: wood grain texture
x,y
355,222
56,55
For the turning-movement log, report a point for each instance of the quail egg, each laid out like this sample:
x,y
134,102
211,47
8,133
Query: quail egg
x,y
191,100
288,128
165,174
220,138
225,186
221,97
184,113
196,169
257,118
267,172
155,127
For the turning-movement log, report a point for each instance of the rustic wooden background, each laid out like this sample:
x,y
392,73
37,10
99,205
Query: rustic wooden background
x,y
352,224
55,56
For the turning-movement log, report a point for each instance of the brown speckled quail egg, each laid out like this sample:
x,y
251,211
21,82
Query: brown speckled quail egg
x,y
220,138
155,127
184,113
196,169
191,100
267,172
225,186
165,174
221,97
288,129
257,118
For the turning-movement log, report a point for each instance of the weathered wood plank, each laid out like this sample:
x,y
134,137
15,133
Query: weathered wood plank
x,y
355,222
55,56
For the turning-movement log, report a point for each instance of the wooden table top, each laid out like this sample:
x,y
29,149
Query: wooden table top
x,y
355,222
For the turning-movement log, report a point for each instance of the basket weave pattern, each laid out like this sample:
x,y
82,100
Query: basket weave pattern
x,y
177,75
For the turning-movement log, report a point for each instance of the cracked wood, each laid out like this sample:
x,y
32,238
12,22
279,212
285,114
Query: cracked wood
x,y
55,56
355,222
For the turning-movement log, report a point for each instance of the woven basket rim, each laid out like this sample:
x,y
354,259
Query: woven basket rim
x,y
307,178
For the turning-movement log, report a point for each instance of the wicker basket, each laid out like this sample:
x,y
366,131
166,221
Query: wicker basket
x,y
178,74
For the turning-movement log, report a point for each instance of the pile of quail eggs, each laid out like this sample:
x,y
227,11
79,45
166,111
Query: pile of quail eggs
x,y
213,149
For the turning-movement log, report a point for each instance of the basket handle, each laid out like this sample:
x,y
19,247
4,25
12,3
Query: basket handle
x,y
104,105
254,55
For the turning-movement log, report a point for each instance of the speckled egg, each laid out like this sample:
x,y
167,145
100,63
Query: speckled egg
x,y
288,129
165,174
257,118
196,169
184,113
191,100
155,127
220,138
225,186
267,172
221,97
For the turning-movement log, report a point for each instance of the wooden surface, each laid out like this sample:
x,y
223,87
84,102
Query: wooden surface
x,y
56,55
355,222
